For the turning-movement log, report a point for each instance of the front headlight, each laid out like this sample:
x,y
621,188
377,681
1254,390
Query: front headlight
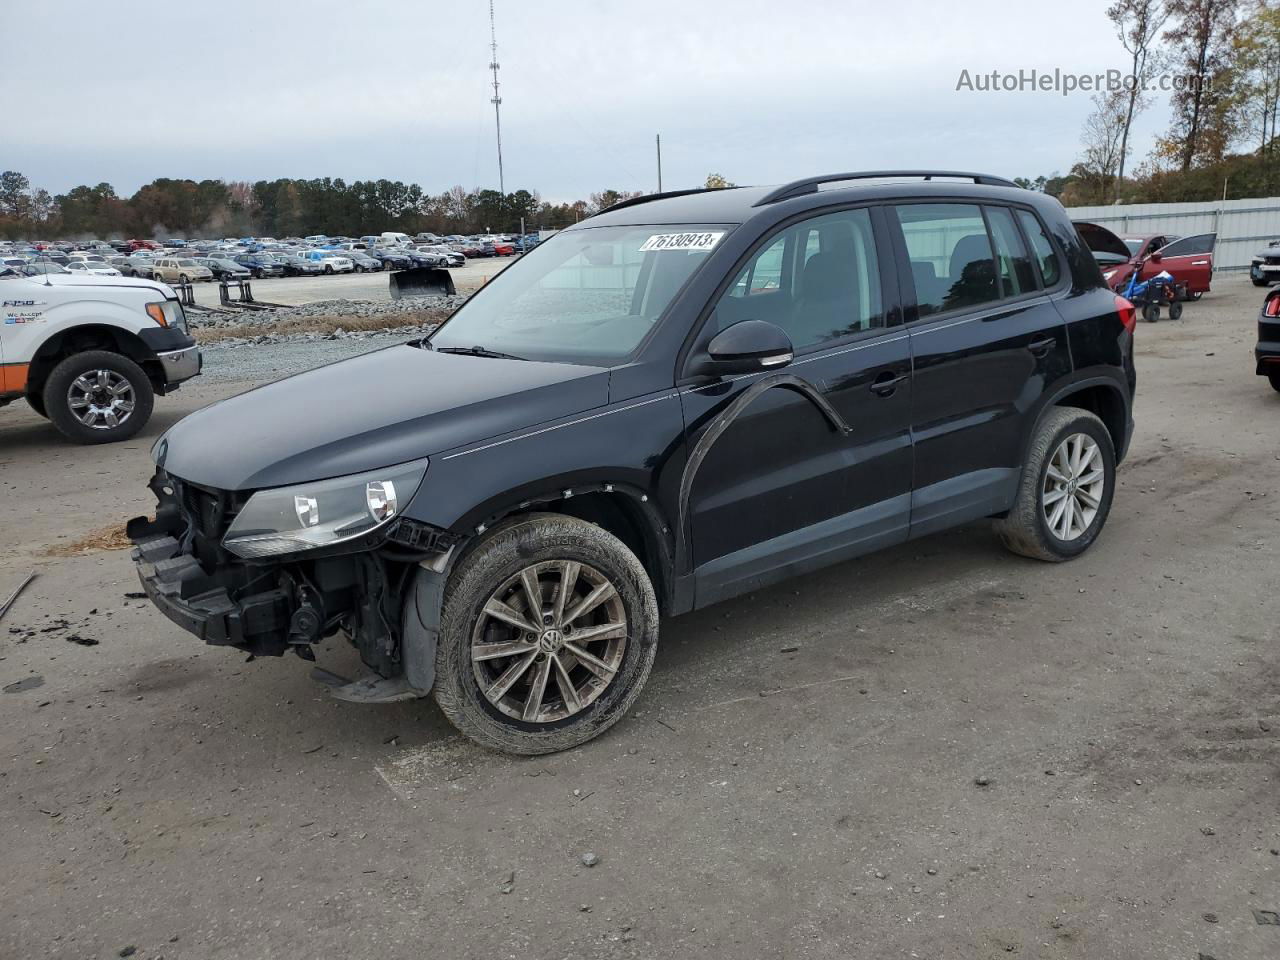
x,y
168,313
310,515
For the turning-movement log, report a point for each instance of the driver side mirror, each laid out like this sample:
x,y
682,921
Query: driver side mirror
x,y
747,346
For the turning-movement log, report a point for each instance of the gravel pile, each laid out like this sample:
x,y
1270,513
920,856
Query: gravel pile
x,y
323,320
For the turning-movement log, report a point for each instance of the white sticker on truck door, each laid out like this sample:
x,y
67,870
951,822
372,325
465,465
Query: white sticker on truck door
x,y
682,241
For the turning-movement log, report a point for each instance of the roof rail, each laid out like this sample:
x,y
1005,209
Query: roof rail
x,y
645,198
798,188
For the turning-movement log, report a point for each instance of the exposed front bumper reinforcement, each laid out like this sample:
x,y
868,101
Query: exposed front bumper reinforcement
x,y
176,584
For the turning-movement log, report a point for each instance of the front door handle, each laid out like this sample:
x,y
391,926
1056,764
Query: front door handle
x,y
1040,347
886,384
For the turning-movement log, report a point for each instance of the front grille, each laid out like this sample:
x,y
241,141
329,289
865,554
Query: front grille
x,y
1271,260
209,514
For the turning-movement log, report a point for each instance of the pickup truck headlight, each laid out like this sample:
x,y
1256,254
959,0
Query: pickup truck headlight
x,y
168,313
289,520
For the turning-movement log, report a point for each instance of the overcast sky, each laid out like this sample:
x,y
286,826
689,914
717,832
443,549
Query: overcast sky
x,y
760,92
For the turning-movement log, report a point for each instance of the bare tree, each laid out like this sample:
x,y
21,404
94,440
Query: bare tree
x,y
1138,23
1258,67
1101,140
1201,38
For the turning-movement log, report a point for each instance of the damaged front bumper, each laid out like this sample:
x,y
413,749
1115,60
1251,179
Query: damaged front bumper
x,y
194,600
266,607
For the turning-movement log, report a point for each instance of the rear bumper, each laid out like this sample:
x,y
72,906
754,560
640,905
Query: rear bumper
x,y
1267,352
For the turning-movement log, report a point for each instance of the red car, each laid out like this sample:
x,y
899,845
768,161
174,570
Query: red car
x,y
143,245
502,248
1188,259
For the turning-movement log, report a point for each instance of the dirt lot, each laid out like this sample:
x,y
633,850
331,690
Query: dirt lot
x,y
1123,711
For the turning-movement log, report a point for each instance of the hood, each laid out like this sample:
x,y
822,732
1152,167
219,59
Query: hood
x,y
375,410
1101,240
1270,250
97,280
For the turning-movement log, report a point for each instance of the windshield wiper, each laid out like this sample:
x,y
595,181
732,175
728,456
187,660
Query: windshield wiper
x,y
478,352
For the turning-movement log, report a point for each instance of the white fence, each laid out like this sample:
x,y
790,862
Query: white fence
x,y
1242,226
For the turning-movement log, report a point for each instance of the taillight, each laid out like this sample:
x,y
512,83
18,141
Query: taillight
x,y
1128,313
1272,306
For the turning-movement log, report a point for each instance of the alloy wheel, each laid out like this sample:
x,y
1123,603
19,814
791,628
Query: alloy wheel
x,y
549,641
101,399
1074,484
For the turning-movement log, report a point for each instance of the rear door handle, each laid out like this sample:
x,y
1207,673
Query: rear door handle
x,y
1040,347
886,384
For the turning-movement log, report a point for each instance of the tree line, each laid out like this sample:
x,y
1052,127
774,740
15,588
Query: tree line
x,y
1220,60
279,208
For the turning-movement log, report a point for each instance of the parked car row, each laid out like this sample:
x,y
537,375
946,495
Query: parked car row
x,y
189,261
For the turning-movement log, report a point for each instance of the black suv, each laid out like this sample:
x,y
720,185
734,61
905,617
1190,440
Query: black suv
x,y
686,397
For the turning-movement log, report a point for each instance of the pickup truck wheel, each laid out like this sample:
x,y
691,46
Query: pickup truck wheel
x,y
1065,492
98,397
548,632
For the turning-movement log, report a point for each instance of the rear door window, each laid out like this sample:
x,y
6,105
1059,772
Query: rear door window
x,y
1046,256
950,256
1013,263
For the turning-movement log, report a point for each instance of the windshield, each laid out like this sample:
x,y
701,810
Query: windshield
x,y
187,263
1133,245
587,295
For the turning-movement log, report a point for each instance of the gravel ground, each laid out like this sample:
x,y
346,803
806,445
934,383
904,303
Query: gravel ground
x,y
941,751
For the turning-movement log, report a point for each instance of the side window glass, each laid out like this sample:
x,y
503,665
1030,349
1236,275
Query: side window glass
x,y
1013,264
764,274
950,255
818,280
1050,269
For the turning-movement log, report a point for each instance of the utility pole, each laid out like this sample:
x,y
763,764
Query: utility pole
x,y
497,100
658,140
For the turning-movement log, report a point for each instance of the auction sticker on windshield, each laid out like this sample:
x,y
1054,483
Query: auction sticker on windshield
x,y
682,241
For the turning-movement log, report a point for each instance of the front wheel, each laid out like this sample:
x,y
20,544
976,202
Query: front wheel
x,y
1151,312
328,268
548,632
1065,492
98,397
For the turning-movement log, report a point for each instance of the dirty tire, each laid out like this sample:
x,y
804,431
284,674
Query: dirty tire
x,y
1274,377
58,409
1151,312
503,553
1025,530
1175,310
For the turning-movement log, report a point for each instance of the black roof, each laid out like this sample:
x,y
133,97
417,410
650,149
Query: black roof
x,y
733,205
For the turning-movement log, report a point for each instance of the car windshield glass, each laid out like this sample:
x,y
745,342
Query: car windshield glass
x,y
586,295
187,263
1134,246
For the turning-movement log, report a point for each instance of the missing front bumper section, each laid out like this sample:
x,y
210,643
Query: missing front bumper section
x,y
257,623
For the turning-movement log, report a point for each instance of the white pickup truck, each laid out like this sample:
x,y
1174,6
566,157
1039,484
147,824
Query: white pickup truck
x,y
89,353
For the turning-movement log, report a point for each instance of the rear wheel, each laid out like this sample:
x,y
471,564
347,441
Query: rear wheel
x,y
549,629
98,397
1151,312
1175,310
328,268
1065,492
